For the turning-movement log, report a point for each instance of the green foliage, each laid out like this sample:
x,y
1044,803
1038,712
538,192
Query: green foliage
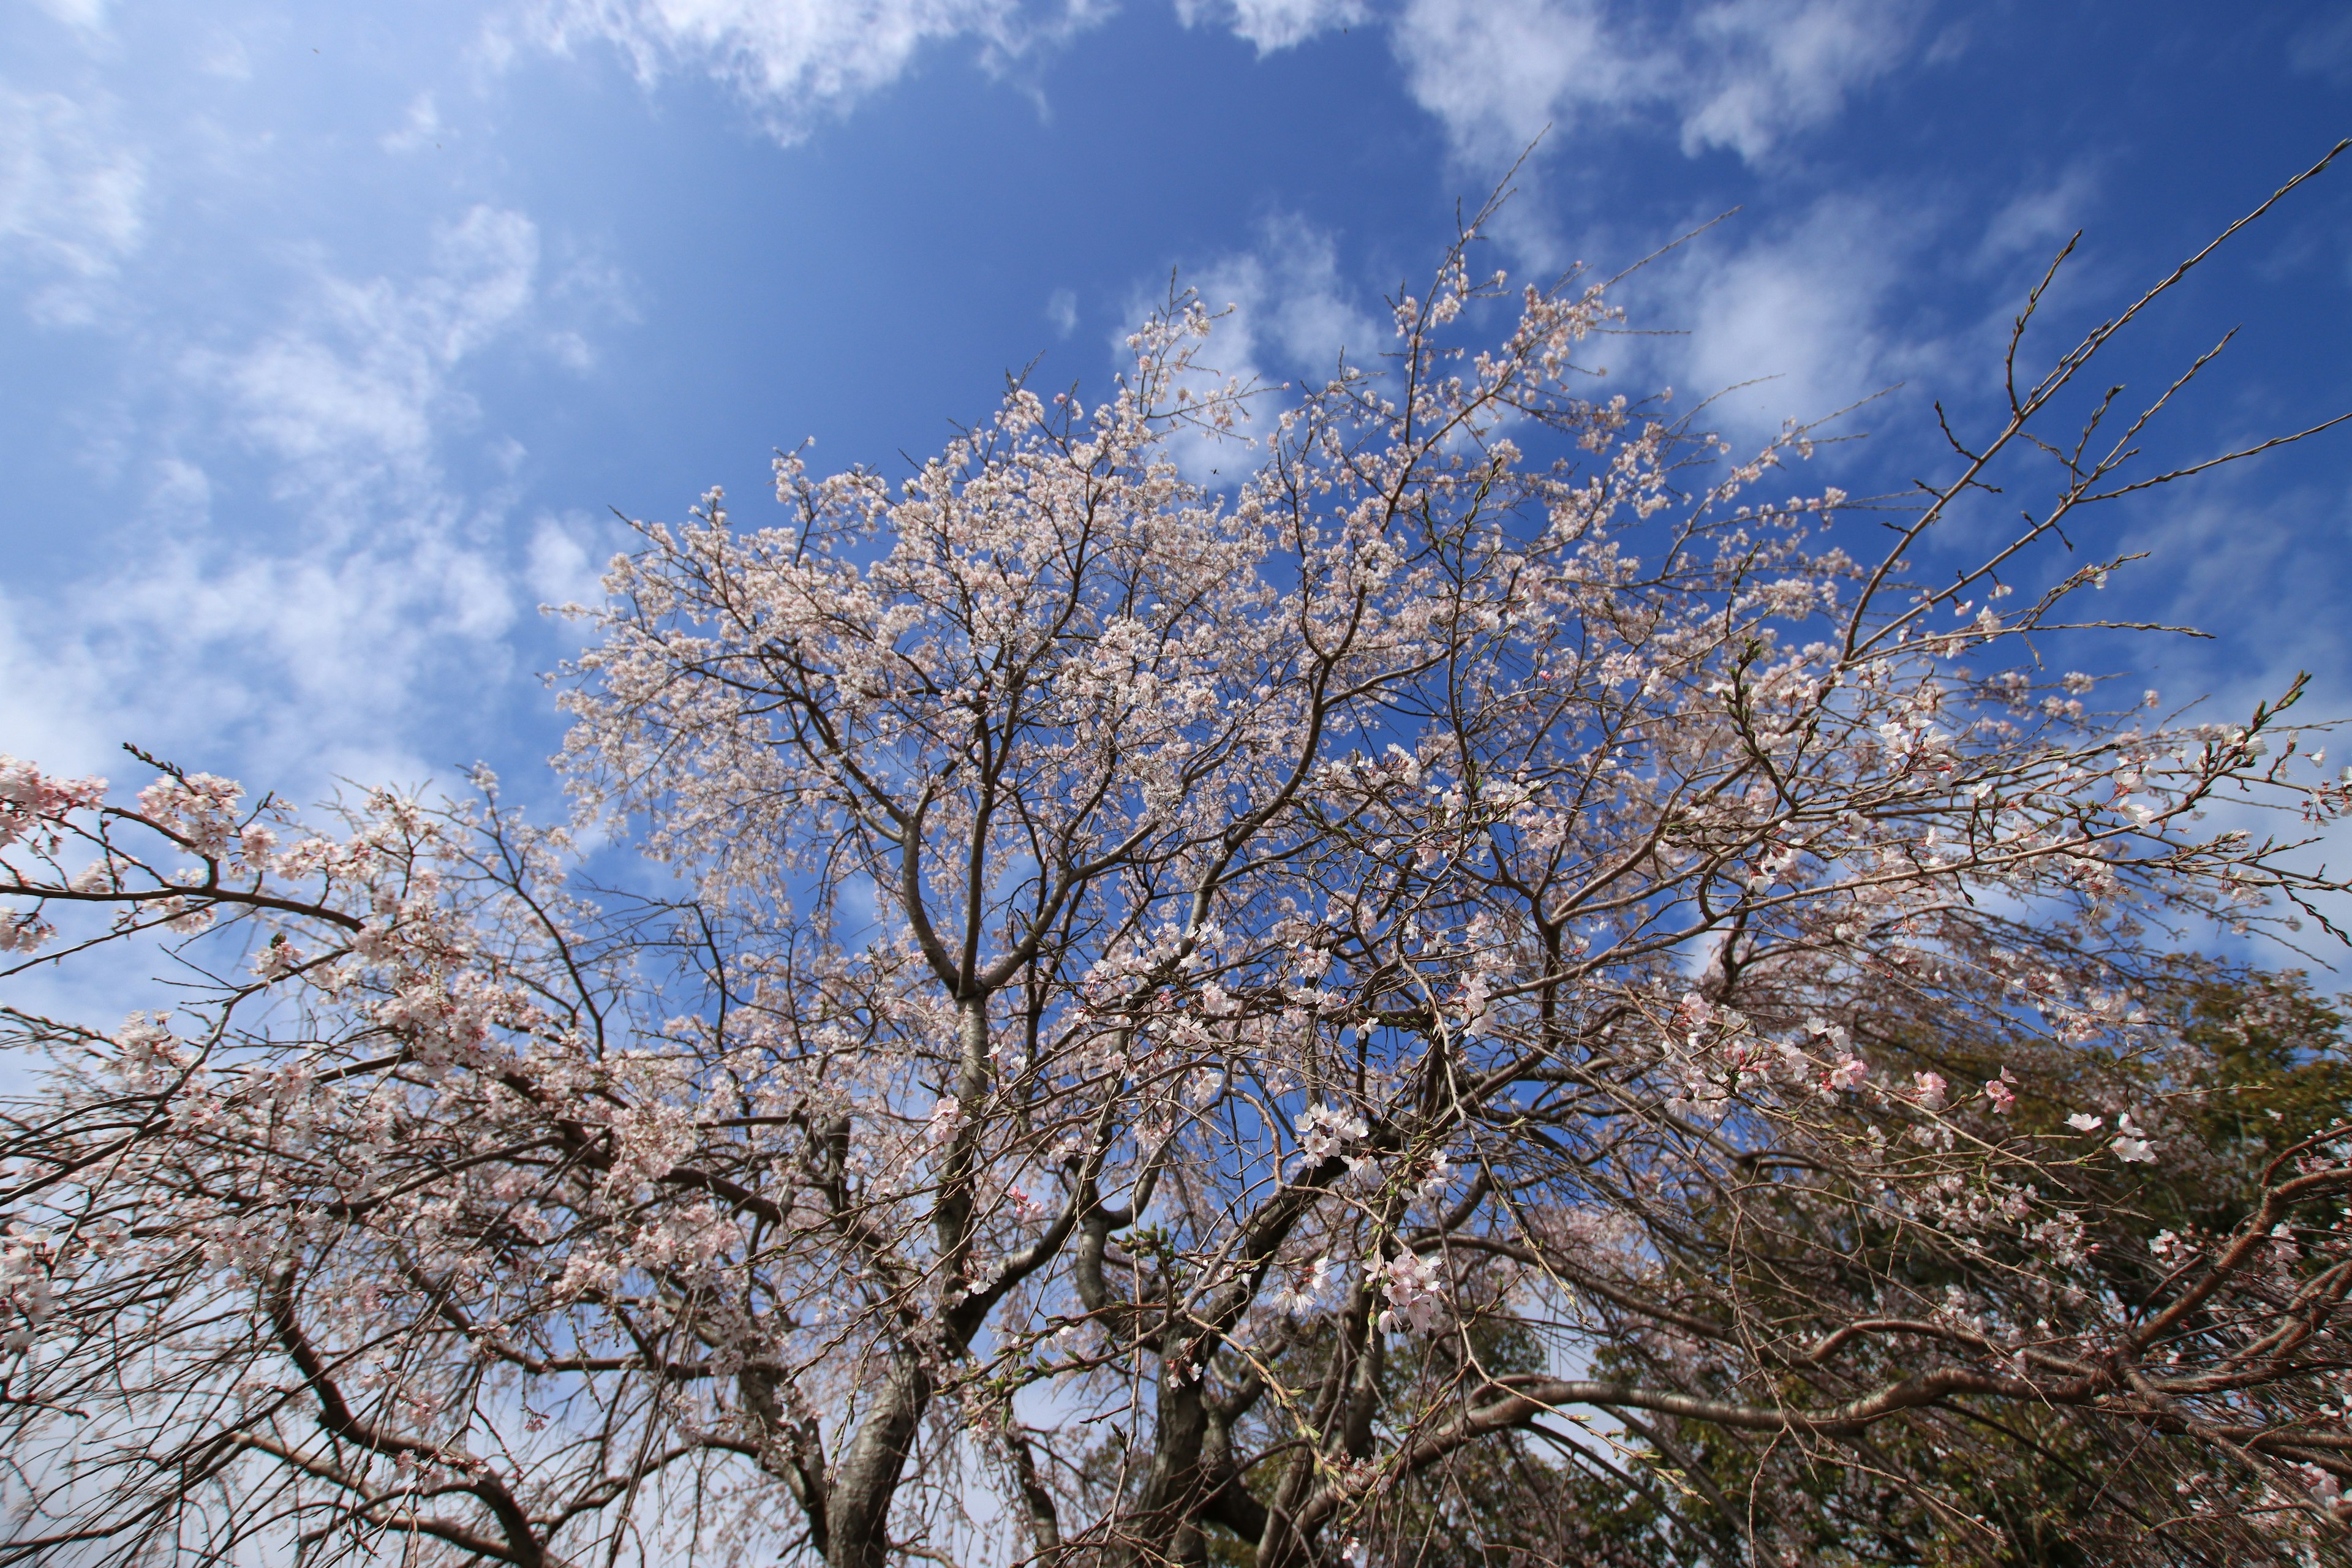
x,y
2248,1067
2251,1066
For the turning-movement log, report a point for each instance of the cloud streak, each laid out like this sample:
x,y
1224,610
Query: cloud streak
x,y
1272,25
1285,313
351,395
799,62
315,635
1742,76
72,198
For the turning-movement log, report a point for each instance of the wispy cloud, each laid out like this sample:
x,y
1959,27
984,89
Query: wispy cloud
x,y
561,567
420,128
87,15
798,61
1293,312
350,393
72,198
312,637
1791,320
2324,47
2035,221
1760,70
1740,75
1285,313
1272,25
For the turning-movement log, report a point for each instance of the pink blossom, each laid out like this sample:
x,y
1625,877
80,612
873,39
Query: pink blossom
x,y
1074,866
2131,1145
1413,1288
1999,1090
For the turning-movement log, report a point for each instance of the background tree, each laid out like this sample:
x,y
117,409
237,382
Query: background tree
x,y
1315,980
2257,1065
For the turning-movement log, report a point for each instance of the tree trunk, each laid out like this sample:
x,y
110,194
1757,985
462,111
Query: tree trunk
x,y
1164,1525
857,1502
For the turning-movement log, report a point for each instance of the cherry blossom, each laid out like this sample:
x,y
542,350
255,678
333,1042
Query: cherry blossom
x,y
1133,958
2130,1146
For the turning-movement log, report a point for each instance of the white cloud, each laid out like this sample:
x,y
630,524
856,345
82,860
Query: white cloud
x,y
1743,75
350,394
420,127
2324,48
2037,220
1061,310
88,16
1286,313
1497,71
299,547
295,663
1768,68
354,399
560,569
1792,324
1273,25
1292,314
49,707
798,60
72,194
312,642
1798,310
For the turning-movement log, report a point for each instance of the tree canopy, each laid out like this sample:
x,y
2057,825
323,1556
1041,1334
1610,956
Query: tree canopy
x,y
1257,1022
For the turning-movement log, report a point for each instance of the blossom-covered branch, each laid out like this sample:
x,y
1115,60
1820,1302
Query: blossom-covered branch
x,y
1166,988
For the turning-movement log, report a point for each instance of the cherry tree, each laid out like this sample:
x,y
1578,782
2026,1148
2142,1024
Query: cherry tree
x,y
1159,982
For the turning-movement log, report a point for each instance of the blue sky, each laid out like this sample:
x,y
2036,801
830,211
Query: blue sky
x,y
332,334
